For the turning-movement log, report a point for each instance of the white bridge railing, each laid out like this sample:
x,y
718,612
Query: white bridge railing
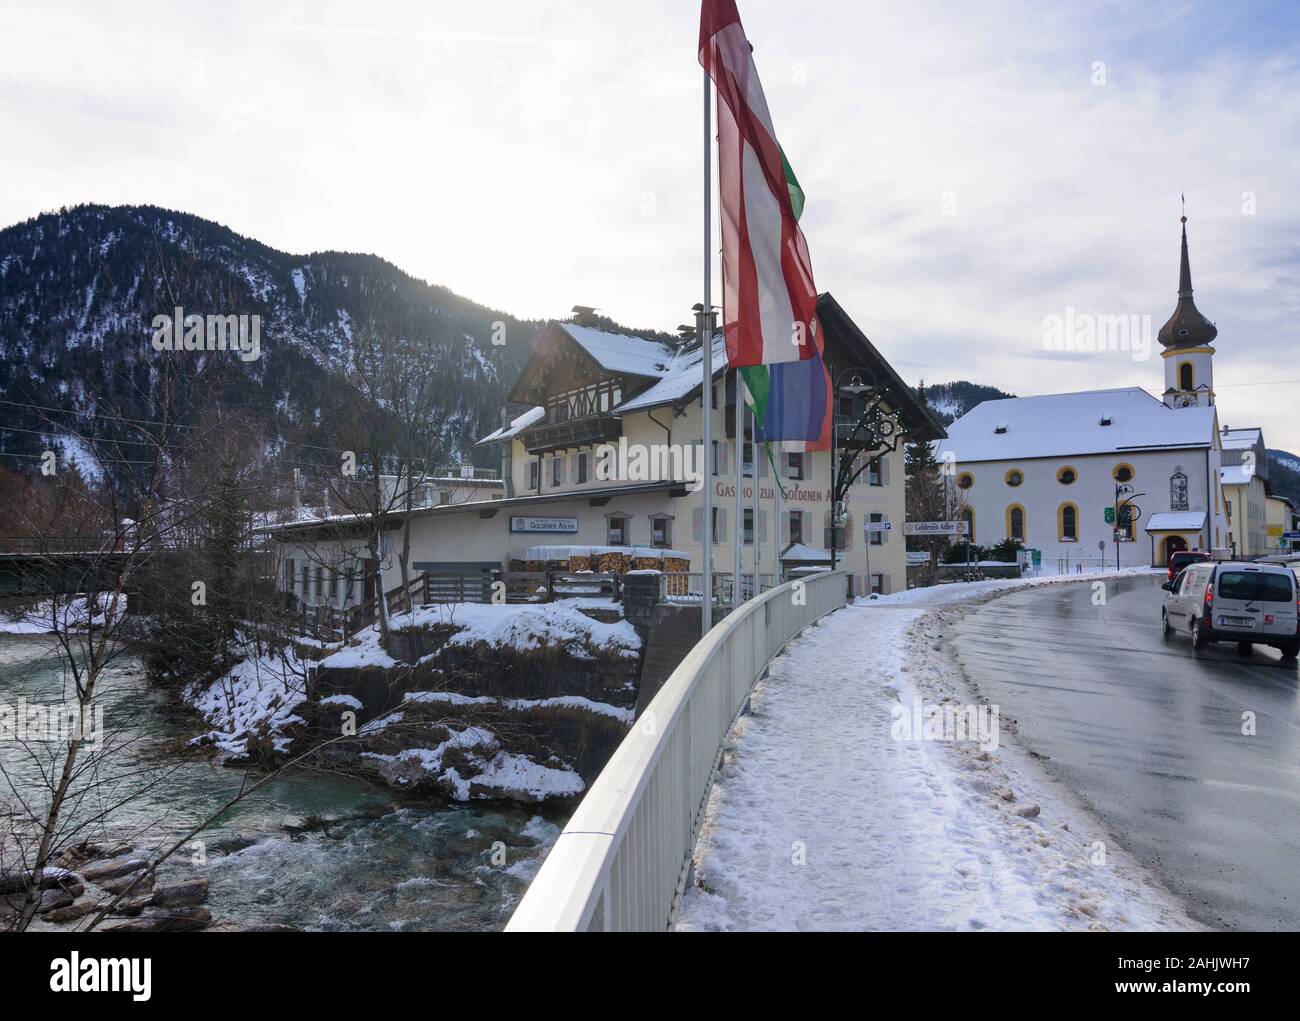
x,y
621,862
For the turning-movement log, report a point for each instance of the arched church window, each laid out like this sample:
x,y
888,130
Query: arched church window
x,y
1016,522
1186,377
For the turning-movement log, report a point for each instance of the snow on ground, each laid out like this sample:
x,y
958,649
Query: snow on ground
x,y
72,614
822,820
260,695
568,701
522,626
493,772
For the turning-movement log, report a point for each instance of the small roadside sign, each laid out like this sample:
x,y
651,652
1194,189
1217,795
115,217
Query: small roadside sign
x,y
935,528
878,526
917,558
1291,536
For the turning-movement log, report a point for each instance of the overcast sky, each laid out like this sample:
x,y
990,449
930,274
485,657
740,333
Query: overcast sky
x,y
970,169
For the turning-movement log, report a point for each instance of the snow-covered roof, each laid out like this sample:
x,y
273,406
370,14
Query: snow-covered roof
x,y
683,377
1071,424
1240,439
800,551
1176,521
619,352
1236,475
515,427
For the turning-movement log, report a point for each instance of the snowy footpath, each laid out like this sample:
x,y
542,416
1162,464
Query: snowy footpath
x,y
827,816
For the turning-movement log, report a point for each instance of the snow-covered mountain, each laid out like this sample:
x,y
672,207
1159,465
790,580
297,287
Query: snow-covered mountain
x,y
79,290
949,401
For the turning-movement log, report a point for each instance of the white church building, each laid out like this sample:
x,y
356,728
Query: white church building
x,y
1056,472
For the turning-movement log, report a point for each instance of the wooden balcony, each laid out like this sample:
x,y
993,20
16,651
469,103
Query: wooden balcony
x,y
576,432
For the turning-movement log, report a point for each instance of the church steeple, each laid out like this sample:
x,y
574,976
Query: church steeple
x,y
1186,339
1186,327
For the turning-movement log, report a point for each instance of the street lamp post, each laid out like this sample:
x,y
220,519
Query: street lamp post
x,y
1126,513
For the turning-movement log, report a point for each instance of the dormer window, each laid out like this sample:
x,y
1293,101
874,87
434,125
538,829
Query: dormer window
x,y
1105,420
999,429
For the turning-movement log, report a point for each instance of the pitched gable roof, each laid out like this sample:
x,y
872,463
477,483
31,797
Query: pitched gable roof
x,y
1073,424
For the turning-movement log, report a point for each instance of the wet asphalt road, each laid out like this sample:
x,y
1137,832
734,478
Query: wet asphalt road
x,y
1149,733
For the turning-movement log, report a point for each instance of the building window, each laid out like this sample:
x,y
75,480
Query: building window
x,y
719,529
1067,522
334,583
1014,477
873,472
288,575
1122,473
557,471
795,467
320,582
617,530
968,515
533,474
661,531
876,538
1067,476
1186,376
965,480
582,468
306,582
796,526
1016,522
1178,494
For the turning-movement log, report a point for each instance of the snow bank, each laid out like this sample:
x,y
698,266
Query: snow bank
x,y
259,697
480,770
627,715
523,627
72,614
822,820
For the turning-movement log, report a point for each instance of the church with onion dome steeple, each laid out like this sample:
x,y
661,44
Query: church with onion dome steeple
x,y
1187,341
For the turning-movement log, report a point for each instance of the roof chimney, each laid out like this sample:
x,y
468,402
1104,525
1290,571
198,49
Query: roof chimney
x,y
584,315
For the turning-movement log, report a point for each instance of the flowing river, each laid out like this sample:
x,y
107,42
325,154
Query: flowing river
x,y
381,863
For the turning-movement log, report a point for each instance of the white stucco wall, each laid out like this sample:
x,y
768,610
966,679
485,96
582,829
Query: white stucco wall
x,y
1041,495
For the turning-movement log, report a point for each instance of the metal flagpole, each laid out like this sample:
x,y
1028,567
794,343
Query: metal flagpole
x,y
740,481
704,330
776,518
758,490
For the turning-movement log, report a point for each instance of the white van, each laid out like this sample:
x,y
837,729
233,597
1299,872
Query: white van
x,y
1247,603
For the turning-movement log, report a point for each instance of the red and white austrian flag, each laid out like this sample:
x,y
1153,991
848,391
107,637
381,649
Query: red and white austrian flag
x,y
768,296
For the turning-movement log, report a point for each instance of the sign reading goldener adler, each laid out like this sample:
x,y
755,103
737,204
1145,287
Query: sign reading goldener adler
x,y
563,526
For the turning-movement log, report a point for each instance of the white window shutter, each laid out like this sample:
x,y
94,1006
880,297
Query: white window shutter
x,y
722,524
762,526
884,470
723,456
697,524
760,452
785,525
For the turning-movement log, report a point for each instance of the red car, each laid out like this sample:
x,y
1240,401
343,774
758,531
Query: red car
x,y
1182,558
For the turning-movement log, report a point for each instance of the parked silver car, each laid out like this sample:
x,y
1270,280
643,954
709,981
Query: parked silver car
x,y
1246,603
